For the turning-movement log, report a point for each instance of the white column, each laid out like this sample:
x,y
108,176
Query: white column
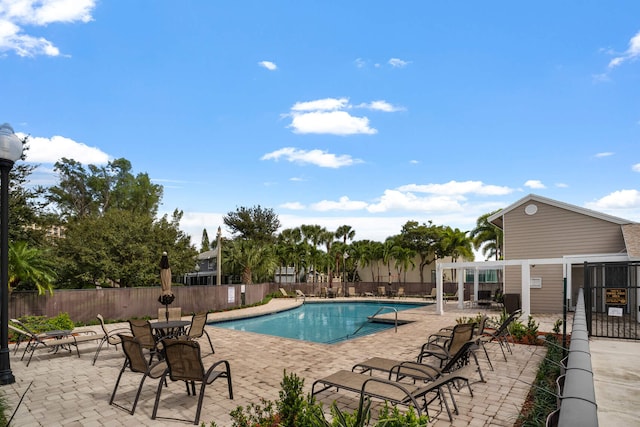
x,y
439,305
525,296
460,274
476,285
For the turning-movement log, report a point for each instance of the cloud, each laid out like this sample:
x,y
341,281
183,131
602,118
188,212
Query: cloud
x,y
295,206
457,188
381,106
326,104
632,52
343,204
314,157
535,184
37,13
398,63
622,199
331,122
268,65
360,63
332,116
562,185
636,167
604,154
50,150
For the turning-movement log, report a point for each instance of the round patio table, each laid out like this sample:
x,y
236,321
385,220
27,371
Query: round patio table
x,y
171,328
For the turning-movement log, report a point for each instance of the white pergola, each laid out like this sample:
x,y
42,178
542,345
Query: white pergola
x,y
525,267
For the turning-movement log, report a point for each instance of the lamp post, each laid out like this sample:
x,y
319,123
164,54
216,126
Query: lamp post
x,y
344,270
10,151
219,257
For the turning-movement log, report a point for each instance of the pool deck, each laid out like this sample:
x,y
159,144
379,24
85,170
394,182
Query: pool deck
x,y
68,391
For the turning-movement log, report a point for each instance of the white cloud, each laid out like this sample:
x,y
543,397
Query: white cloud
x,y
562,185
636,167
330,116
326,104
381,106
622,199
296,206
268,65
360,63
398,63
16,14
314,157
455,187
414,162
535,184
343,204
632,52
332,122
50,150
604,154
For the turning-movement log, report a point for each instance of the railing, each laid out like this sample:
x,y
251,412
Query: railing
x,y
577,395
370,318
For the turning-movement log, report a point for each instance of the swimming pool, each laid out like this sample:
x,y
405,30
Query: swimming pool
x,y
326,323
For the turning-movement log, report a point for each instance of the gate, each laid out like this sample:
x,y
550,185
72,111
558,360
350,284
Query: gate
x,y
612,294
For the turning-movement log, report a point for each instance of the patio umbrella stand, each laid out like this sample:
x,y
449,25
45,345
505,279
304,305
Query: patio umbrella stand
x,y
165,280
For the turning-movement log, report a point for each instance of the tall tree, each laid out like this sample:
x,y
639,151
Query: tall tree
x,y
253,262
421,238
487,236
93,191
205,245
255,223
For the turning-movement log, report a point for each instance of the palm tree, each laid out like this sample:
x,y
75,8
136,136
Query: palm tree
x,y
312,234
28,267
388,250
404,260
456,244
488,237
251,260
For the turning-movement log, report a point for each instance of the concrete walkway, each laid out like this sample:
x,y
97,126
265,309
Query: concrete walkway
x,y
616,376
65,390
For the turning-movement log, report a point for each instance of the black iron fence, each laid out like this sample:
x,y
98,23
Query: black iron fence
x,y
612,299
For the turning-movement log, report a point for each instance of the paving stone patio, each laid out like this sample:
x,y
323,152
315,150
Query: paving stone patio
x,y
65,390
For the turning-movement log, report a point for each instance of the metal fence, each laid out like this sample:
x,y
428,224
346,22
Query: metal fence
x,y
612,299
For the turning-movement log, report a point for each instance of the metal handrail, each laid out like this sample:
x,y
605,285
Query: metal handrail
x,y
376,313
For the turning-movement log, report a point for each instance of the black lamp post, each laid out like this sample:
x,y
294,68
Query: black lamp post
x,y
10,151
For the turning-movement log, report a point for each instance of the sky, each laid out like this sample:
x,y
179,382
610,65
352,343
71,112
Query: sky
x,y
365,113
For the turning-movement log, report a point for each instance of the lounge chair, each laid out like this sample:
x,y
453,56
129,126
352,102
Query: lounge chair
x,y
136,362
185,364
56,340
286,294
351,291
450,297
300,294
460,334
398,369
21,336
197,330
499,334
432,296
395,392
401,293
110,337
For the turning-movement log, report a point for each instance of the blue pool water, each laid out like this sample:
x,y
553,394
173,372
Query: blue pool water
x,y
319,322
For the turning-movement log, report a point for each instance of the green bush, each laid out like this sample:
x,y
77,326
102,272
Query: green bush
x,y
293,410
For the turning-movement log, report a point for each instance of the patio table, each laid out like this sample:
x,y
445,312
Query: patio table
x,y
169,328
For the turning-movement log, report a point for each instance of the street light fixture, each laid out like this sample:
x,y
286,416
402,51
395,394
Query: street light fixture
x,y
10,151
344,270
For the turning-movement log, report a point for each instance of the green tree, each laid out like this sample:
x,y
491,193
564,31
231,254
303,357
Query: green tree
x,y
455,244
253,262
93,191
487,236
205,245
29,269
256,223
422,239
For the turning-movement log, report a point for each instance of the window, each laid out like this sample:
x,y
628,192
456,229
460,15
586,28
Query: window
x,y
484,276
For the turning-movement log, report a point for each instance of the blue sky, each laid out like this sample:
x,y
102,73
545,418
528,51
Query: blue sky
x,y
366,113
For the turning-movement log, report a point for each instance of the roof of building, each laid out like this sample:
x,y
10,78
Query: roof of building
x,y
496,218
631,234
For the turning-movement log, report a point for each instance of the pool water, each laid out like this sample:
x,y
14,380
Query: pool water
x,y
326,323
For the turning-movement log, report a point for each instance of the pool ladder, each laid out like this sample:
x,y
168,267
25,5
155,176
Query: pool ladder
x,y
370,318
